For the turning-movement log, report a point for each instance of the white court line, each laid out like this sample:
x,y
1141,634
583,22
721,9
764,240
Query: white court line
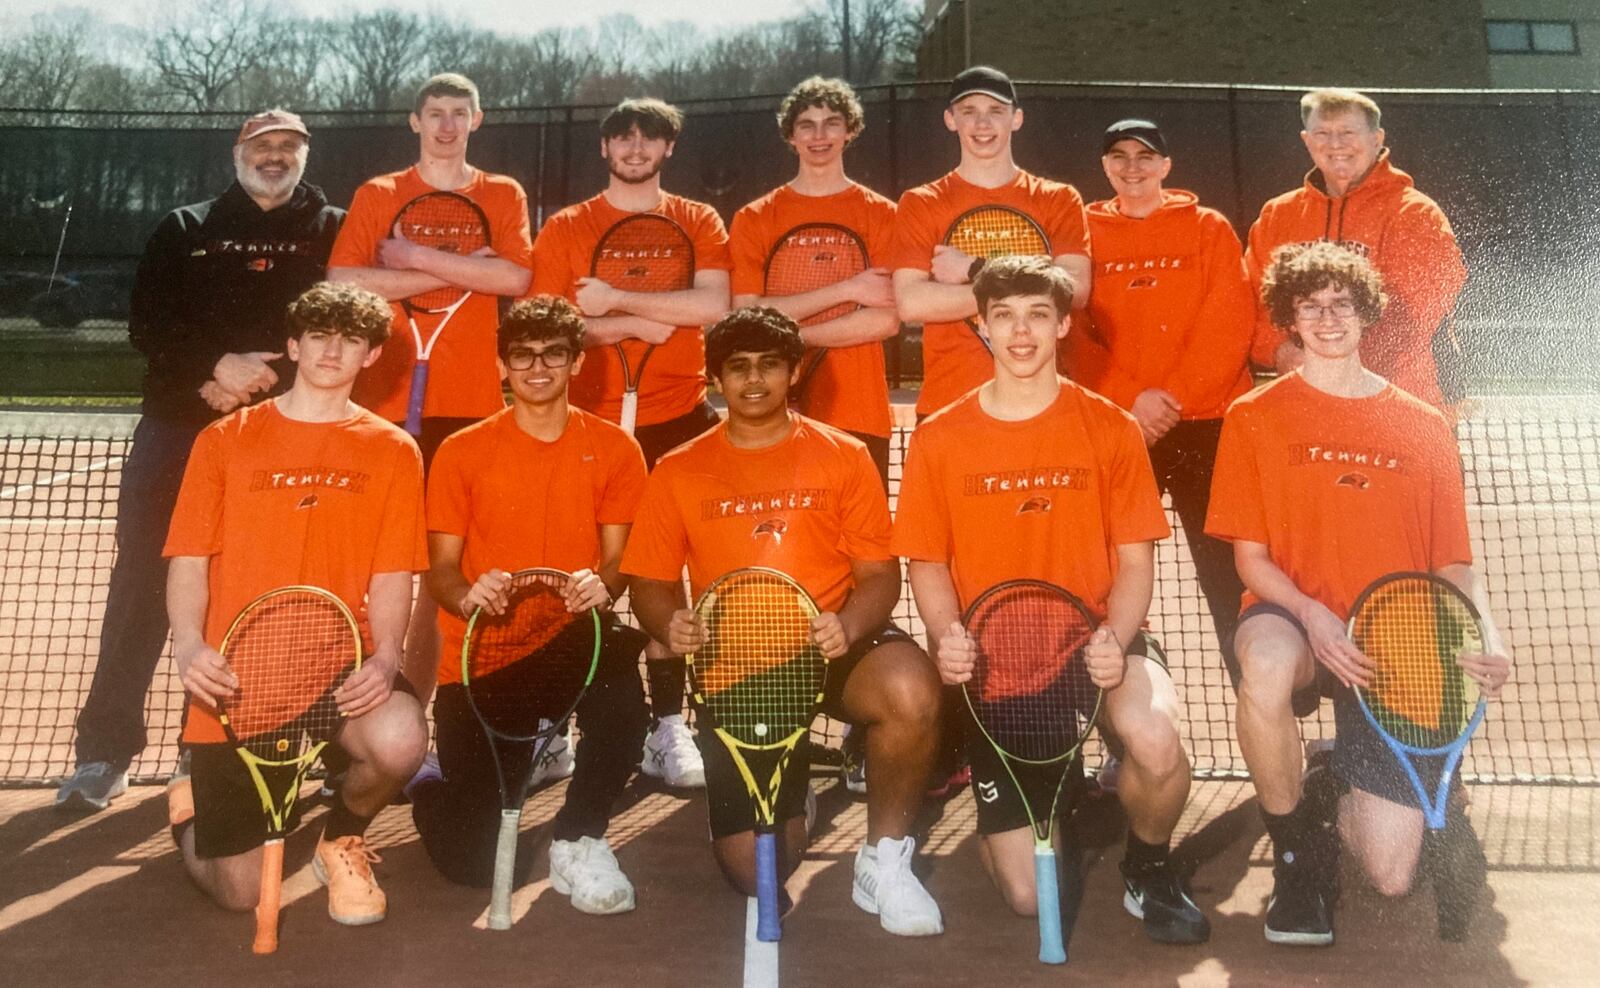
x,y
760,957
20,490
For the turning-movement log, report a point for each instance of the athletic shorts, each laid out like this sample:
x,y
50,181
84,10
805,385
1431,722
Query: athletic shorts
x,y
228,815
1364,760
731,809
1000,805
659,439
1308,698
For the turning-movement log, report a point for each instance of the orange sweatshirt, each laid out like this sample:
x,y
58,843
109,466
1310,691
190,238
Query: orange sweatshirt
x,y
1171,308
1407,238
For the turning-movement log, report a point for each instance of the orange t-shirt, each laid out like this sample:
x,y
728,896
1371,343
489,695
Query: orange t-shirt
x,y
277,502
1341,491
849,390
954,360
519,502
462,379
806,506
1171,308
674,381
1049,498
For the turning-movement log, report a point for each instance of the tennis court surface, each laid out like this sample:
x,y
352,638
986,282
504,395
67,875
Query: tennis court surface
x,y
103,899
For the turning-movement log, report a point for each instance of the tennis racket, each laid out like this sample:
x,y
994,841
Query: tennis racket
x,y
1413,626
536,658
645,252
808,257
995,231
1032,699
290,650
450,222
759,680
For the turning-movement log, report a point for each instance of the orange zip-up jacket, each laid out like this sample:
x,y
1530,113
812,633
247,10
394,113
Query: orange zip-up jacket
x,y
1406,237
1171,307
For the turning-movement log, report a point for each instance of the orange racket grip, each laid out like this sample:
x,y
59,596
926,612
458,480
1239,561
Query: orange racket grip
x,y
271,896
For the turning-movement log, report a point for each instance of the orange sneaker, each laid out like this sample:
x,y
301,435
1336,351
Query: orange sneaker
x,y
344,864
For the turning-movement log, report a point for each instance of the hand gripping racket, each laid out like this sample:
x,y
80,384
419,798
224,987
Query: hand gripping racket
x,y
1033,701
1413,627
645,252
290,650
759,679
808,257
534,660
450,222
995,231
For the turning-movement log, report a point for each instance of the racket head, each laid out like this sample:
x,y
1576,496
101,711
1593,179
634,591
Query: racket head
x,y
812,256
997,231
1413,627
1030,691
759,676
534,659
290,649
443,221
644,252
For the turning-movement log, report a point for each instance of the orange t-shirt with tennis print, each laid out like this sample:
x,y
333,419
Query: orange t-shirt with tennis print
x,y
805,506
849,389
1049,498
276,502
1341,491
674,380
954,360
519,502
462,379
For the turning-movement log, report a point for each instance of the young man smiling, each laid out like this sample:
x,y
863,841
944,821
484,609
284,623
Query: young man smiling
x,y
1093,535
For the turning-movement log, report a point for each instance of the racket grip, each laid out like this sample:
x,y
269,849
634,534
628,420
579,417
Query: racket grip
x,y
271,897
768,928
1051,948
630,411
505,858
419,391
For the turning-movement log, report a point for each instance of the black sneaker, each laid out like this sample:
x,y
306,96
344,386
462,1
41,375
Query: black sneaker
x,y
1298,913
1169,914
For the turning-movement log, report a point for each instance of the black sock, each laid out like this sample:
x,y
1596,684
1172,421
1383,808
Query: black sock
x,y
342,822
1143,859
666,686
1286,832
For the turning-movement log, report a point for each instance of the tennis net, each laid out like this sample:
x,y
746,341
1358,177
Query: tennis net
x,y
1533,490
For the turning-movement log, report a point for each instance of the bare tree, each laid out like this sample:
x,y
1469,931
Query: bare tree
x,y
377,53
45,68
673,58
560,57
882,35
203,52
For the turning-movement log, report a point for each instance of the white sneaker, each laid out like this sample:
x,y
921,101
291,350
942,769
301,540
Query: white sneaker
x,y
557,760
885,887
671,756
586,870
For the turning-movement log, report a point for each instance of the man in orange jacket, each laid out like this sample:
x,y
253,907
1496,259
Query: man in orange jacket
x,y
1167,336
1356,197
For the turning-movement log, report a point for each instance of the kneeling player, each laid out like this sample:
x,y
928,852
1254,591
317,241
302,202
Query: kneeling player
x,y
1326,480
974,512
772,488
541,484
307,488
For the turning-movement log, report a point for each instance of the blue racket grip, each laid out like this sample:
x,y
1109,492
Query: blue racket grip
x,y
419,390
768,928
1051,948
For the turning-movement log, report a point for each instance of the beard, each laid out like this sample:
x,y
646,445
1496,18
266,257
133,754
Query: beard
x,y
635,179
261,186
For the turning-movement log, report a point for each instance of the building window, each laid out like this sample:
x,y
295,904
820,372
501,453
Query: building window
x,y
1532,37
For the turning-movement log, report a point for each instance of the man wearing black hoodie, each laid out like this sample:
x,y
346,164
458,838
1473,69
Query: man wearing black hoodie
x,y
207,312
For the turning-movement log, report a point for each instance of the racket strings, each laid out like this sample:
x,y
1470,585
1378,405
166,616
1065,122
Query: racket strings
x,y
1030,688
1412,630
518,663
444,222
997,232
289,653
811,257
759,673
647,253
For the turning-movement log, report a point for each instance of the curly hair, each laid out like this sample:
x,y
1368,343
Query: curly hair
x,y
1022,274
753,329
1300,270
342,308
831,94
542,317
656,119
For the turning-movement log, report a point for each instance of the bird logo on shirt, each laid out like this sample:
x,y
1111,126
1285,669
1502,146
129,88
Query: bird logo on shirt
x,y
775,527
1353,480
309,501
1039,504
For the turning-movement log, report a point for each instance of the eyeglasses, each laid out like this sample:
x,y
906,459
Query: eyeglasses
x,y
1312,312
522,358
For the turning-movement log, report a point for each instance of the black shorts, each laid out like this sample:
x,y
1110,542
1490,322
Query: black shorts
x,y
657,440
228,815
1307,699
727,797
1364,760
